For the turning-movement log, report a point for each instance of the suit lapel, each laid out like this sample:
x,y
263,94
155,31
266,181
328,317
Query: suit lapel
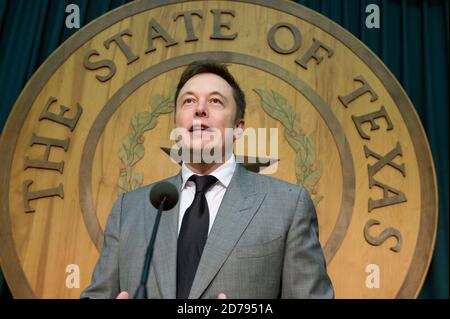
x,y
165,250
238,207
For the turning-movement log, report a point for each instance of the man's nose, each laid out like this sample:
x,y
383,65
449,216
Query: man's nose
x,y
201,109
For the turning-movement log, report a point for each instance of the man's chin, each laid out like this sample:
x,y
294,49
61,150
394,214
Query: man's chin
x,y
202,154
201,146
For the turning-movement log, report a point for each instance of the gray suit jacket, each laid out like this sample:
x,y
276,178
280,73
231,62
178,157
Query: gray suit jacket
x,y
263,244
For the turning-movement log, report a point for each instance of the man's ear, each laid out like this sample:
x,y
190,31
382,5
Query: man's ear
x,y
239,129
173,105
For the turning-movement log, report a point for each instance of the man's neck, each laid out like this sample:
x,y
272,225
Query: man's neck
x,y
203,168
206,168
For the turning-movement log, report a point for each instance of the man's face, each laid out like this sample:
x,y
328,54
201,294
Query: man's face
x,y
205,107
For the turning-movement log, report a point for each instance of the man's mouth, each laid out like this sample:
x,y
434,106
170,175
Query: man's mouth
x,y
200,128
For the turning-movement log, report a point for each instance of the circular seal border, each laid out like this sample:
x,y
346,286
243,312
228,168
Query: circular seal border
x,y
415,276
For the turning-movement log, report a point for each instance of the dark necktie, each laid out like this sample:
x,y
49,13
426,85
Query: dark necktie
x,y
193,235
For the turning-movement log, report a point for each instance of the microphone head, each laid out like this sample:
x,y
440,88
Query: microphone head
x,y
161,190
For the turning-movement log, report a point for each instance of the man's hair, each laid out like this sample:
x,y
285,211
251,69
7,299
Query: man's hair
x,y
219,69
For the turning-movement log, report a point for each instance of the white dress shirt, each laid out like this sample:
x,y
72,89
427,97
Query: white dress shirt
x,y
214,195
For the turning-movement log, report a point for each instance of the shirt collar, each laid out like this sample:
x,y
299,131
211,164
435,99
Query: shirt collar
x,y
223,173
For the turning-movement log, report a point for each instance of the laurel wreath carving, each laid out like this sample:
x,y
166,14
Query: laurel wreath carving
x,y
132,150
308,169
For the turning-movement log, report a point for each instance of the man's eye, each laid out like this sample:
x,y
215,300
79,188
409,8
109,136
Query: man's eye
x,y
216,101
188,100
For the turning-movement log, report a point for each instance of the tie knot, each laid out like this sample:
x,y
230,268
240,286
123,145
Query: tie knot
x,y
203,183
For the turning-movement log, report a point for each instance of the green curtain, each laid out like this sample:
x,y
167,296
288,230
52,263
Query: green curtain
x,y
412,41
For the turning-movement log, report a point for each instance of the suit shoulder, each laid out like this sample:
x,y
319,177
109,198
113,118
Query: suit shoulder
x,y
273,183
144,191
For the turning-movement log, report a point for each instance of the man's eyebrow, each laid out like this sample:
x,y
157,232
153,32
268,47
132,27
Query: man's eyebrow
x,y
218,93
186,93
212,93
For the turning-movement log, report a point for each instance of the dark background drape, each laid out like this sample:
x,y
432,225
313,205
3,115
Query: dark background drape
x,y
412,41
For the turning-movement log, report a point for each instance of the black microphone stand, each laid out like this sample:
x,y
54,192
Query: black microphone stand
x,y
141,291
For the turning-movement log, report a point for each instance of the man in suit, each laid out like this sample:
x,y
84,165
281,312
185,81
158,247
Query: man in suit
x,y
233,233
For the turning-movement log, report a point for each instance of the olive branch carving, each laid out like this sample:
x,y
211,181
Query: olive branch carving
x,y
132,151
308,170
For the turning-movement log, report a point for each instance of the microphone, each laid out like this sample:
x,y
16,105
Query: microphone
x,y
163,196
